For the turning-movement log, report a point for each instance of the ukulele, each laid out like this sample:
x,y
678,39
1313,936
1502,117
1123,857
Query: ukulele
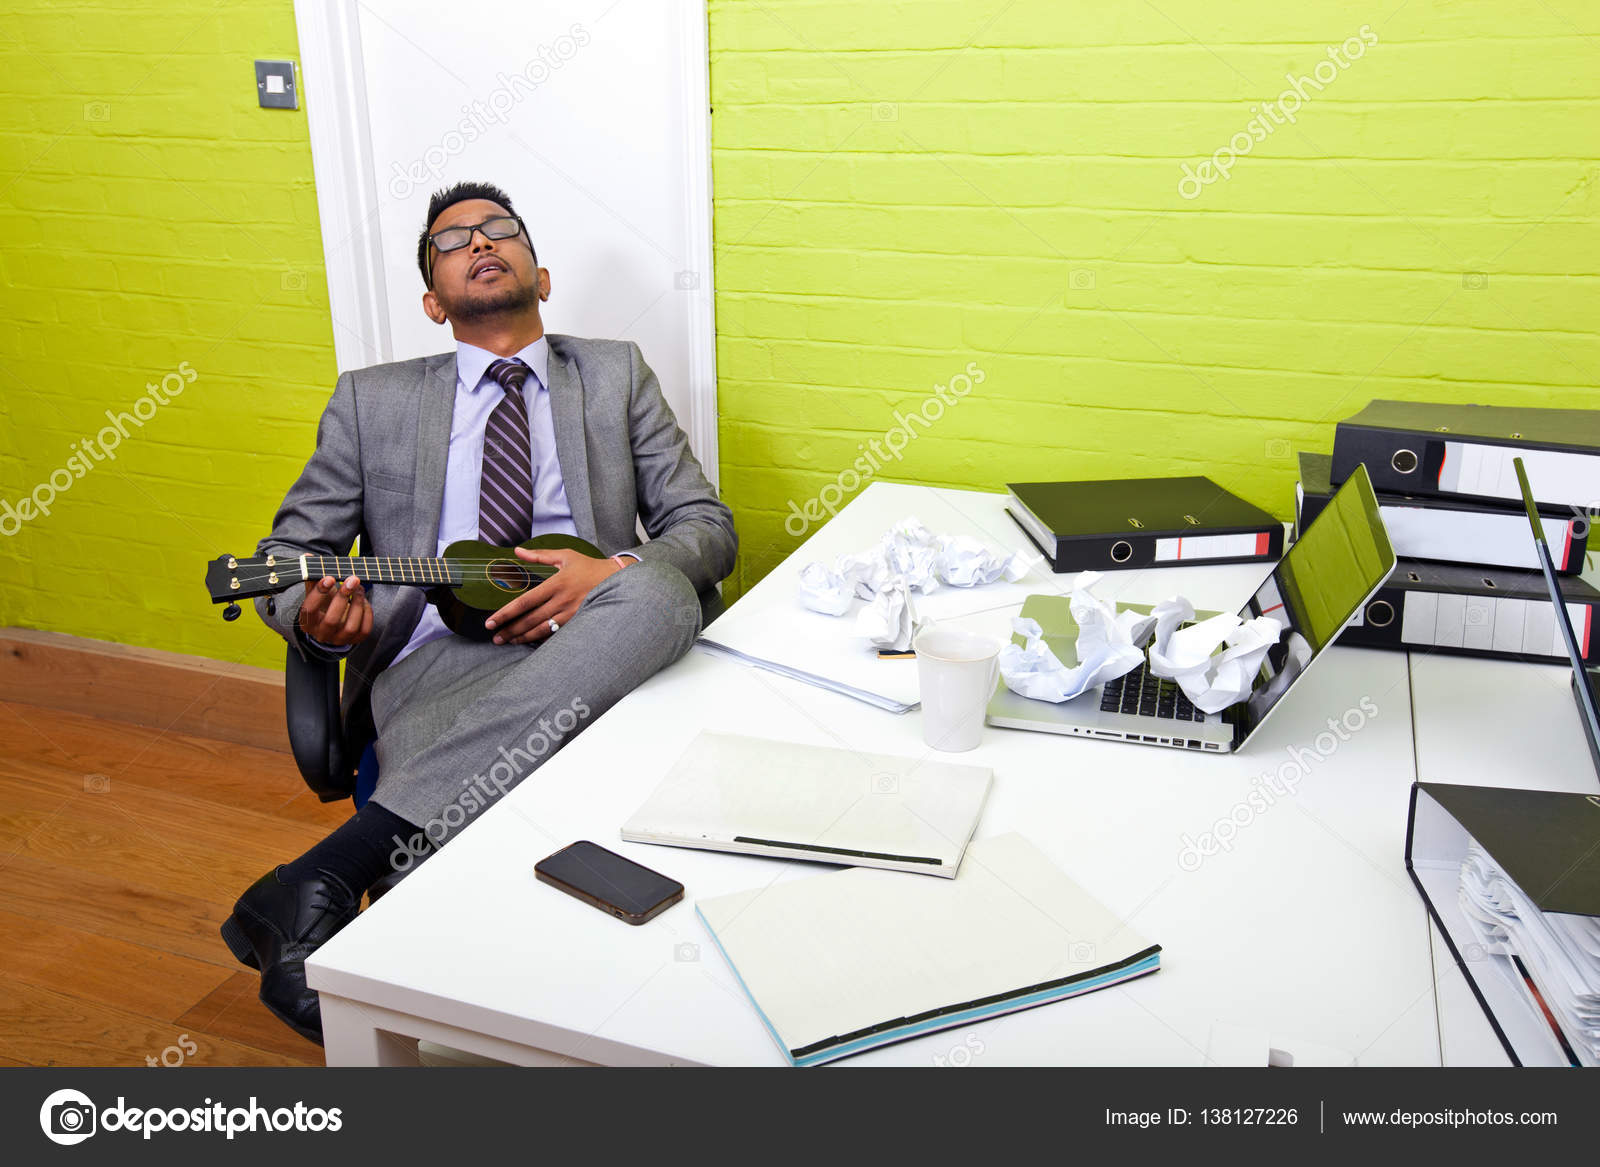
x,y
468,583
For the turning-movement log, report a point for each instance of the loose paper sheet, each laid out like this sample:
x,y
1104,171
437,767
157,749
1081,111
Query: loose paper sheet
x,y
909,558
1111,643
1212,680
1561,952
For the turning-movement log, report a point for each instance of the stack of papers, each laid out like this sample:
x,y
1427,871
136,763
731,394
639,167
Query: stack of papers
x,y
886,683
842,963
837,649
1560,953
825,650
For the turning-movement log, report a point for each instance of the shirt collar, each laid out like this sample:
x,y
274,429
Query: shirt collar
x,y
472,362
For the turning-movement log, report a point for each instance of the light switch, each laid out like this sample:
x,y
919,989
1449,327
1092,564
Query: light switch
x,y
275,85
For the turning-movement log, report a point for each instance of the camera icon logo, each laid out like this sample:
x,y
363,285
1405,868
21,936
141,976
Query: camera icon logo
x,y
1474,281
1277,448
97,111
67,1117
885,783
96,784
686,281
886,111
1473,952
499,447
685,953
1081,279
1081,952
293,281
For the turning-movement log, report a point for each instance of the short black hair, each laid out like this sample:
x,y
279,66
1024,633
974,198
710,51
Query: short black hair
x,y
443,200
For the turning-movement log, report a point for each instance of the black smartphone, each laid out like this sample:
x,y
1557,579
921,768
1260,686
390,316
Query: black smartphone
x,y
618,887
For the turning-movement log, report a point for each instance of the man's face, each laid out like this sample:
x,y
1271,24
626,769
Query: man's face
x,y
486,277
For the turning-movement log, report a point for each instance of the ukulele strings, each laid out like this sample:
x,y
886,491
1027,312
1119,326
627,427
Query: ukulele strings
x,y
470,570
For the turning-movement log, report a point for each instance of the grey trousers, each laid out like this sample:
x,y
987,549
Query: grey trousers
x,y
460,722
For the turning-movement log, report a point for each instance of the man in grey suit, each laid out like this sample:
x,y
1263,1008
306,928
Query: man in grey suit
x,y
515,433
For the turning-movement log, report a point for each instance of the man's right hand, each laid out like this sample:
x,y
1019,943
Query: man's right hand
x,y
336,614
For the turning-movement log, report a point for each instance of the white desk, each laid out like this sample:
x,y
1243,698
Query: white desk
x,y
1491,723
1308,928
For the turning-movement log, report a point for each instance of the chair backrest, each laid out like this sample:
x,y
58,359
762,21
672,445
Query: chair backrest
x,y
316,736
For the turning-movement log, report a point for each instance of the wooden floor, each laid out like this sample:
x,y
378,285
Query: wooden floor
x,y
121,851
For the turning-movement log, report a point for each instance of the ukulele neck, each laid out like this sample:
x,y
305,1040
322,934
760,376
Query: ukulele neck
x,y
384,569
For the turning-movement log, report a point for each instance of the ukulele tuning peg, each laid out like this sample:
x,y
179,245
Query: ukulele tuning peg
x,y
231,612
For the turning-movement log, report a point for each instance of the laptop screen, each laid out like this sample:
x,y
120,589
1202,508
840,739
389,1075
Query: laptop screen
x,y
1338,562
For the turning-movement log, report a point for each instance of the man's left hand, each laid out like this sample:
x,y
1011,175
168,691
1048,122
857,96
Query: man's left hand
x,y
526,619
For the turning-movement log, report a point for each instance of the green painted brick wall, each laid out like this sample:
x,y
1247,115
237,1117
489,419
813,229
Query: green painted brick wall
x,y
904,188
155,224
901,189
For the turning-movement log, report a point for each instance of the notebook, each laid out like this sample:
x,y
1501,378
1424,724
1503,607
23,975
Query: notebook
x,y
727,792
848,961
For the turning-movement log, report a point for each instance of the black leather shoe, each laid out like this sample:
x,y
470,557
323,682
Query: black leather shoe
x,y
274,927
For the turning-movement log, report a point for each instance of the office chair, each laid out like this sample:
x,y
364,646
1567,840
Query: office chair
x,y
339,761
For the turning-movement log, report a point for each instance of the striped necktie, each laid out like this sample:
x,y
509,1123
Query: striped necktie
x,y
505,497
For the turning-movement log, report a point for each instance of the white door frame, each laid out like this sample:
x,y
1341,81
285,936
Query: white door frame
x,y
333,82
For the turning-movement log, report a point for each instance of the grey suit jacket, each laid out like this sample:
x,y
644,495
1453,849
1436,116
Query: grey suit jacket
x,y
379,468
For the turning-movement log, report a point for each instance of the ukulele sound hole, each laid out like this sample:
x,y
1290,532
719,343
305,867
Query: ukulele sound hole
x,y
507,576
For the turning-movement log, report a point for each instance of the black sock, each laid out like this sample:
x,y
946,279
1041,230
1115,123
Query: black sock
x,y
360,852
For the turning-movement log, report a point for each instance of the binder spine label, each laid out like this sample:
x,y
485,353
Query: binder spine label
x,y
1474,537
1180,548
1557,476
1491,623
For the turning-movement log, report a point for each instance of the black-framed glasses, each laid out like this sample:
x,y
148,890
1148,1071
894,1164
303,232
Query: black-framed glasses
x,y
455,238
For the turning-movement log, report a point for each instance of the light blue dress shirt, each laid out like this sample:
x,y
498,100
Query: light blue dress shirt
x,y
476,396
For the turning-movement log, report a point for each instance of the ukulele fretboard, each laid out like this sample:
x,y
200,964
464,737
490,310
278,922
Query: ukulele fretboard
x,y
389,569
384,569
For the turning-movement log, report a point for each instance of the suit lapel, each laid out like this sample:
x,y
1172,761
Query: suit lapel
x,y
434,413
566,412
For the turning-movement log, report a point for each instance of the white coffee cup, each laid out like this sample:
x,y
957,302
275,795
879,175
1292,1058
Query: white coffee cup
x,y
957,672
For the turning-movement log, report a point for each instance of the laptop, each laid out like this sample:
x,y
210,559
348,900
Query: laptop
x,y
1315,591
1583,680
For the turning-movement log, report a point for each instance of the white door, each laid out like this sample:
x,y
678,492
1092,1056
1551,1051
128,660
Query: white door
x,y
593,115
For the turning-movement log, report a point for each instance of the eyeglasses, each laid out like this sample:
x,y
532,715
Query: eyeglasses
x,y
455,238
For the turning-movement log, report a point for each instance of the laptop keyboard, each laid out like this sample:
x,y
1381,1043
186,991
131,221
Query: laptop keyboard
x,y
1140,693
